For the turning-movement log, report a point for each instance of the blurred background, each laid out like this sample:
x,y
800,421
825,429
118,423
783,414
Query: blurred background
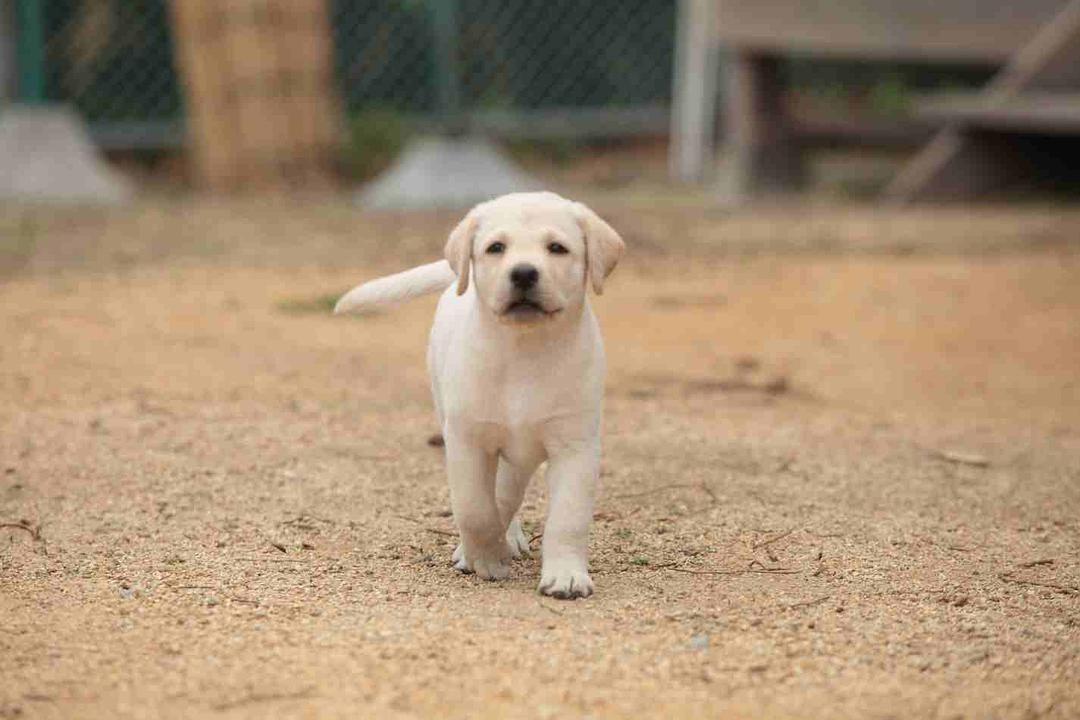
x,y
739,97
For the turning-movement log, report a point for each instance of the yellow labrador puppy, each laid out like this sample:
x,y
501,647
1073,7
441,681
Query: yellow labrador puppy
x,y
517,371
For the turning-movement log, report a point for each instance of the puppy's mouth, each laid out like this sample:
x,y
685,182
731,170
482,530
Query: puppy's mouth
x,y
524,308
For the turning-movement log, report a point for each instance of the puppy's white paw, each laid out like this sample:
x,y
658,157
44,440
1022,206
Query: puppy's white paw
x,y
491,569
565,580
485,568
516,541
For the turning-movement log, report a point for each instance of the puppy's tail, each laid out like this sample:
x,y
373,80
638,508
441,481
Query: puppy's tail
x,y
422,280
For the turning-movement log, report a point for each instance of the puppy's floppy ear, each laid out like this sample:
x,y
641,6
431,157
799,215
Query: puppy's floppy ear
x,y
458,249
603,246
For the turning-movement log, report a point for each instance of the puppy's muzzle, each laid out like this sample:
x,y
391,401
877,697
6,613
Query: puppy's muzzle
x,y
524,304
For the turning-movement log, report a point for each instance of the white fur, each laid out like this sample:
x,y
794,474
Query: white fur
x,y
515,389
421,280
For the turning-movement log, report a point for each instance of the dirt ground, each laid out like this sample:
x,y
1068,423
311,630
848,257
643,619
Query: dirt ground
x,y
841,476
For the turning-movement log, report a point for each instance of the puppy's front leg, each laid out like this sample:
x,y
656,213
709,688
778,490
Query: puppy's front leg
x,y
510,485
571,478
471,471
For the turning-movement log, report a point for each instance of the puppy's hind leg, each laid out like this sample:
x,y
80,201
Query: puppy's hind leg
x,y
483,548
511,482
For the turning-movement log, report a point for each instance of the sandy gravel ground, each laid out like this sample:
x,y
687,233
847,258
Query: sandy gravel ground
x,y
842,473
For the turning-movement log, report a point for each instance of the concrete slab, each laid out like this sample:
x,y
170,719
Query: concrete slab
x,y
438,172
46,156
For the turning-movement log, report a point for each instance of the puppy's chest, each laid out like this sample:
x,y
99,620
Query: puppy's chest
x,y
510,400
519,444
517,418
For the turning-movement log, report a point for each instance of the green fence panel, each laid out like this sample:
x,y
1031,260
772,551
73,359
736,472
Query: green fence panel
x,y
113,59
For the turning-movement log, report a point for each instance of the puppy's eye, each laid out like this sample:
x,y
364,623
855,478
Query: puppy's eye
x,y
557,248
496,248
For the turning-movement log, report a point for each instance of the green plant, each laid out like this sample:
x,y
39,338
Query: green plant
x,y
376,136
314,305
18,240
559,152
890,96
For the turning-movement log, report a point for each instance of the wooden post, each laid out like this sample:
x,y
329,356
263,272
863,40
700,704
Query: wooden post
x,y
691,155
258,81
763,154
317,97
202,60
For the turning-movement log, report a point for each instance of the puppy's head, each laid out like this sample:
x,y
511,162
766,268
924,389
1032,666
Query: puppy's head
x,y
531,255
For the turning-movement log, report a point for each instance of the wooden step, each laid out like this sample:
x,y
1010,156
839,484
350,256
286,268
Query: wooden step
x,y
1034,112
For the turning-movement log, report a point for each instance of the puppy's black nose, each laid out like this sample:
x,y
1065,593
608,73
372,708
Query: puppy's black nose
x,y
524,276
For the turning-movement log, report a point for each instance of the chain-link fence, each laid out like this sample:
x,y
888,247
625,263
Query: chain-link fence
x,y
114,62
516,67
519,54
